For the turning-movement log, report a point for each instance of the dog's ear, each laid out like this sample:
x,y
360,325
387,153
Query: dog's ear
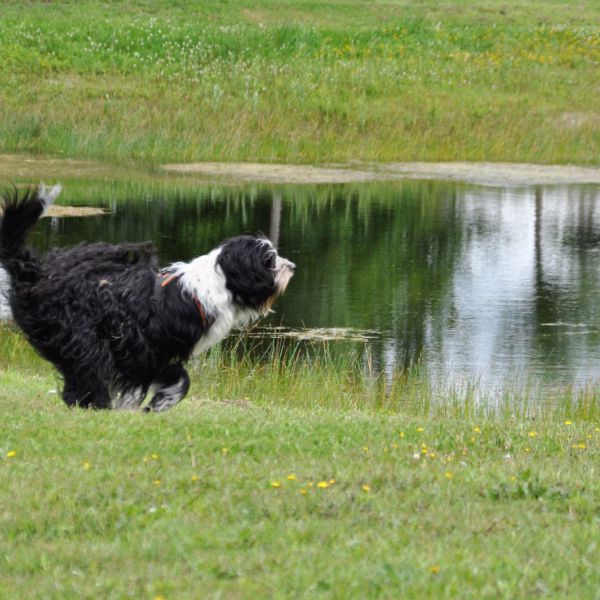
x,y
245,262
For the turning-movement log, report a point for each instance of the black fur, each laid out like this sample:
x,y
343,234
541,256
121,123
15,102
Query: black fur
x,y
103,316
249,273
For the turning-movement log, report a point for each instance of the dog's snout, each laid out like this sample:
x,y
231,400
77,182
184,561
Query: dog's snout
x,y
284,263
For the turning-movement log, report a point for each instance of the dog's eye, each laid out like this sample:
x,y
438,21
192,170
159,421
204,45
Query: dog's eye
x,y
269,261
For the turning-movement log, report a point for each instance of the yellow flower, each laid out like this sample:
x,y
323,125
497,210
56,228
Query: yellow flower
x,y
157,482
331,481
303,491
527,449
87,466
477,430
11,454
419,429
568,422
532,434
434,569
366,448
449,474
155,456
291,477
323,484
195,478
366,488
276,484
401,434
224,450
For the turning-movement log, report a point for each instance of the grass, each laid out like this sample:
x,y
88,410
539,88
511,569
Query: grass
x,y
281,476
301,82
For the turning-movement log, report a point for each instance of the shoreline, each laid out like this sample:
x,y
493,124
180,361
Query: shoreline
x,y
235,173
482,173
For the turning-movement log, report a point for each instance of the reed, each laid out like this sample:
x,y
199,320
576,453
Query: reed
x,y
338,376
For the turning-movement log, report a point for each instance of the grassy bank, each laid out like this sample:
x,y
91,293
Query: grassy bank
x,y
300,81
293,482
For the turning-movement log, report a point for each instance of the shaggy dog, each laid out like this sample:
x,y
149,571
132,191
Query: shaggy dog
x,y
115,325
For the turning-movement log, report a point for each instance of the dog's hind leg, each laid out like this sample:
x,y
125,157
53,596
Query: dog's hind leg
x,y
73,396
85,394
173,385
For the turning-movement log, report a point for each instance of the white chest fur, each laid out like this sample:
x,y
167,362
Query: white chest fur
x,y
203,279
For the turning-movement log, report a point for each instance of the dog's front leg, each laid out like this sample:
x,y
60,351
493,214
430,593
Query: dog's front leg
x,y
173,385
130,400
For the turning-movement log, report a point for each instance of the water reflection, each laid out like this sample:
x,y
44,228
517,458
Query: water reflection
x,y
476,283
523,299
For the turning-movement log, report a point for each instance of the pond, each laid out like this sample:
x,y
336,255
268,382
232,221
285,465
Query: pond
x,y
473,283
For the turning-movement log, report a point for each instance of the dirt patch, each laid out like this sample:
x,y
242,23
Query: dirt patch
x,y
26,166
13,166
74,211
495,174
578,120
273,173
498,173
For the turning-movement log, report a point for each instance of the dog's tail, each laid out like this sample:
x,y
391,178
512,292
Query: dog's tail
x,y
18,214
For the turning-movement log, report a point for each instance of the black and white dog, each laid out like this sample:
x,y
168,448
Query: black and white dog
x,y
115,325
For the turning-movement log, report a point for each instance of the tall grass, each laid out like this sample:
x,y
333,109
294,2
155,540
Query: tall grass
x,y
158,86
321,376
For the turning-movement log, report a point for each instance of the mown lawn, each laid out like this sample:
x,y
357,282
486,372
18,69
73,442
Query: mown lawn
x,y
238,496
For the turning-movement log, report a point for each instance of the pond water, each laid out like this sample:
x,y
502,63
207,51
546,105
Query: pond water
x,y
475,283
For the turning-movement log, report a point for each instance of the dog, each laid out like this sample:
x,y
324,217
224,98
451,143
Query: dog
x,y
115,325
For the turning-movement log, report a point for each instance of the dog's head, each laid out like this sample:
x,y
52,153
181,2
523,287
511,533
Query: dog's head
x,y
255,274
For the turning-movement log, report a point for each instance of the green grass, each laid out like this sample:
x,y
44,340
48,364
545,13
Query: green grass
x,y
290,476
301,81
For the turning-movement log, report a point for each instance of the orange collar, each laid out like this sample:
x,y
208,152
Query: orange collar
x,y
166,280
